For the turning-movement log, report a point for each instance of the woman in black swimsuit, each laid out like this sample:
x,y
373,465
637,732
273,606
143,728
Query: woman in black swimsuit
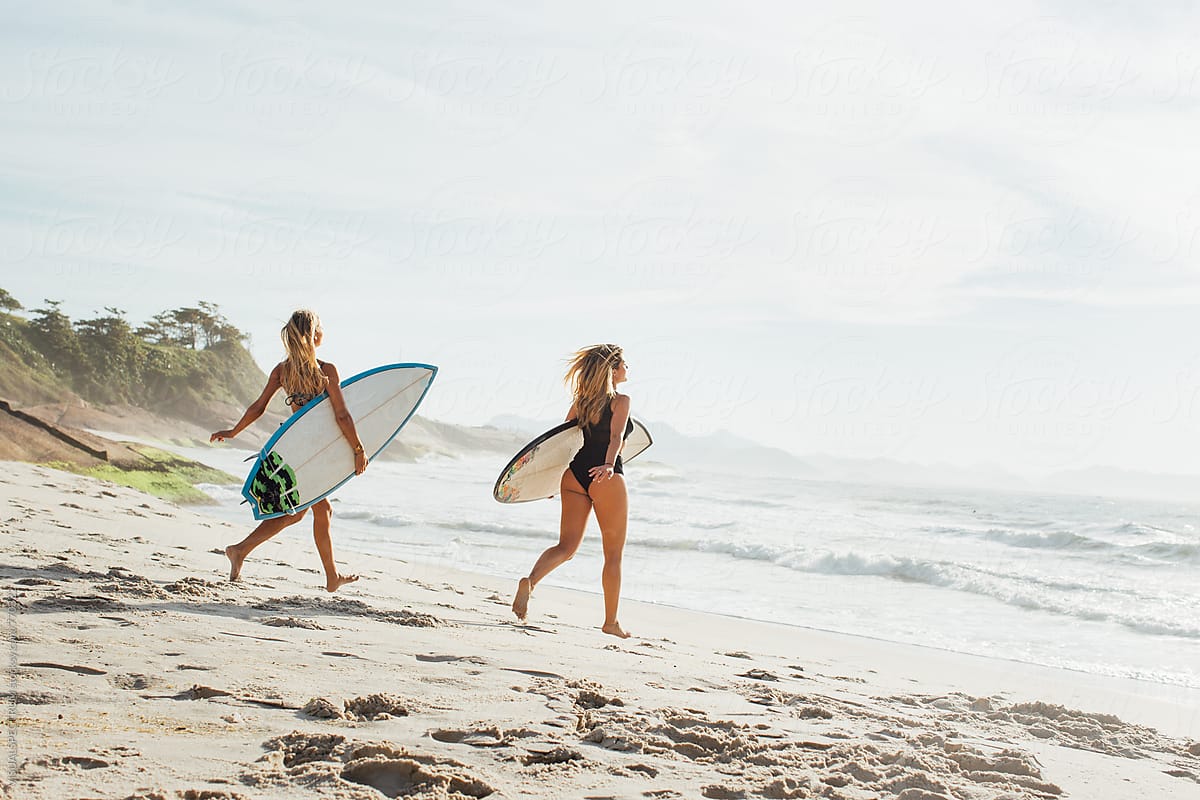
x,y
595,478
303,377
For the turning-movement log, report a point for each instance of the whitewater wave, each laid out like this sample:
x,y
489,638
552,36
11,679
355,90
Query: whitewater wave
x,y
1154,553
1171,552
503,530
382,520
1064,598
225,495
1056,540
1140,529
659,477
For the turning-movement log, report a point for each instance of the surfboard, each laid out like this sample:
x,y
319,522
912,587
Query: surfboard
x,y
534,472
308,458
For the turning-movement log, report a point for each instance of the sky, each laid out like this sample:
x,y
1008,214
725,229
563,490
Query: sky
x,y
923,232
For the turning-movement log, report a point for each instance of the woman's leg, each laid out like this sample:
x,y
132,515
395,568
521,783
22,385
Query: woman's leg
x,y
322,516
236,553
576,506
612,512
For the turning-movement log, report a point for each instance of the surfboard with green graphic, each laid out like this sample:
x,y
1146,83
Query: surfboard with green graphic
x,y
308,458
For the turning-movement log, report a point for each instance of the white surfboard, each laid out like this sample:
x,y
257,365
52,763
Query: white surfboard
x,y
534,473
308,458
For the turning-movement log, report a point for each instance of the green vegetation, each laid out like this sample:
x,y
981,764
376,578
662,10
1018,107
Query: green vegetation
x,y
8,302
185,360
189,363
160,473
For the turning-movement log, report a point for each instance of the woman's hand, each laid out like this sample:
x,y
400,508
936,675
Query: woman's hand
x,y
221,436
360,462
601,473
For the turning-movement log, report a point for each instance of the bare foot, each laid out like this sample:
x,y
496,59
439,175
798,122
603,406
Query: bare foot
x,y
521,601
615,629
235,562
339,581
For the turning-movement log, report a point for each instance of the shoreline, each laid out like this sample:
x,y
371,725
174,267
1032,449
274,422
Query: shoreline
x,y
358,548
418,683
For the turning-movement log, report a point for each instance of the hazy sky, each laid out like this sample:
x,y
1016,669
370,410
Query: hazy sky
x,y
902,230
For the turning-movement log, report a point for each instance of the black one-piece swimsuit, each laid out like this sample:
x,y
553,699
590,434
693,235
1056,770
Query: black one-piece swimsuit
x,y
595,448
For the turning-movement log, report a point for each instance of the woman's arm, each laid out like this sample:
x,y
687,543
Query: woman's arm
x,y
342,415
616,437
255,410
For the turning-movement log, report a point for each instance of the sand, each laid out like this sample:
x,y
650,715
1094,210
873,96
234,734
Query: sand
x,y
134,669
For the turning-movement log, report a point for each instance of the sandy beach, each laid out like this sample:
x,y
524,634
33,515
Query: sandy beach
x,y
134,669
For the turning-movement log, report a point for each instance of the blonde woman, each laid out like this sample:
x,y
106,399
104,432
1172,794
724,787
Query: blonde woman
x,y
595,480
303,377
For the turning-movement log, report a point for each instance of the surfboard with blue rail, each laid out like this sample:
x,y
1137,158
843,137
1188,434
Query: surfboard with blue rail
x,y
308,458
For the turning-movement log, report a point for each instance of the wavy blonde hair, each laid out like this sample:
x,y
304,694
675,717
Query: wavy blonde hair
x,y
590,378
301,372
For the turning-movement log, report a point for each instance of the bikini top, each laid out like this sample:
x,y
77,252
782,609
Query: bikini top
x,y
298,400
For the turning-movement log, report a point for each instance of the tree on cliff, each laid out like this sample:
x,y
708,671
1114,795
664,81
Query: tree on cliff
x,y
55,338
189,327
8,302
188,360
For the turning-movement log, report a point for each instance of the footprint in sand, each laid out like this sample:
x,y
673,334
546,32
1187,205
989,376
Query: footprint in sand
x,y
645,769
69,762
402,777
723,792
557,755
321,708
78,603
376,707
372,708
199,692
591,697
394,772
134,681
293,622
33,698
79,670
486,737
441,659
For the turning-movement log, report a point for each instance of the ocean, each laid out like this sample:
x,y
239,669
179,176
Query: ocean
x,y
1102,585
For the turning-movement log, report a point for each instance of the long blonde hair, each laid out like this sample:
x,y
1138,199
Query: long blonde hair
x,y
301,372
590,378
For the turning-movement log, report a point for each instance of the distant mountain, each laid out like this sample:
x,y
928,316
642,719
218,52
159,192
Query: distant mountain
x,y
523,426
424,437
725,451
